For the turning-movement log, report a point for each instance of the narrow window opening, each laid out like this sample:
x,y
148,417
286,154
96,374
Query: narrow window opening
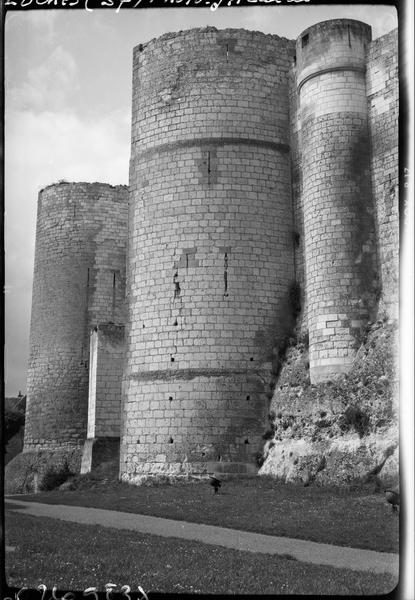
x,y
170,398
251,359
172,359
304,40
175,323
248,397
227,52
295,59
246,442
225,275
138,441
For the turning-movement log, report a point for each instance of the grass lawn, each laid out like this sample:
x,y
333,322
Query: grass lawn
x,y
75,557
357,518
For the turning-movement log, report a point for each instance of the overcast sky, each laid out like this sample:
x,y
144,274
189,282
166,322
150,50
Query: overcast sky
x,y
67,113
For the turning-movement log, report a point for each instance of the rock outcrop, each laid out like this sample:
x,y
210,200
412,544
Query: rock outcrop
x,y
340,431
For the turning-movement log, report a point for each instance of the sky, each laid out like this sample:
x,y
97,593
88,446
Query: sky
x,y
67,113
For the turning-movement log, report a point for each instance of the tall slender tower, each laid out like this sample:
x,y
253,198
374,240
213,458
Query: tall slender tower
x,y
210,258
340,251
79,281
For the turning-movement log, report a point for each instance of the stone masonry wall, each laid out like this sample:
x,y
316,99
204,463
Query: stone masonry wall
x,y
340,249
210,248
106,365
79,280
382,85
297,196
258,164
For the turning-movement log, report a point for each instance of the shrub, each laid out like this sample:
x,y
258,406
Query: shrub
x,y
54,476
271,416
259,459
323,423
354,417
13,420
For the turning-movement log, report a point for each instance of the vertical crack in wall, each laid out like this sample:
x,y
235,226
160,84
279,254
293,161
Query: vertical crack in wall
x,y
114,294
225,250
177,288
225,275
208,167
177,297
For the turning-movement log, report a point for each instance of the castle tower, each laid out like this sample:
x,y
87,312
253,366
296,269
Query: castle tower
x,y
210,258
341,284
79,281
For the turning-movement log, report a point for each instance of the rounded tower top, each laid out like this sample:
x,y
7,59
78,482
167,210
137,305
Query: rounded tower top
x,y
213,78
332,45
182,36
81,185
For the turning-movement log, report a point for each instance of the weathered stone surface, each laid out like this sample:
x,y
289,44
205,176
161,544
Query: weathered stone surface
x,y
26,472
209,175
335,462
263,192
79,281
339,431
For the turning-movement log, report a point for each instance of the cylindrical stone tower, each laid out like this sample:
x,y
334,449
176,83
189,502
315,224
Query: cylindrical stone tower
x,y
210,258
338,213
79,281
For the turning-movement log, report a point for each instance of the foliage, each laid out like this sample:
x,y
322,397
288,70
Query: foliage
x,y
54,477
353,416
259,459
362,400
13,421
